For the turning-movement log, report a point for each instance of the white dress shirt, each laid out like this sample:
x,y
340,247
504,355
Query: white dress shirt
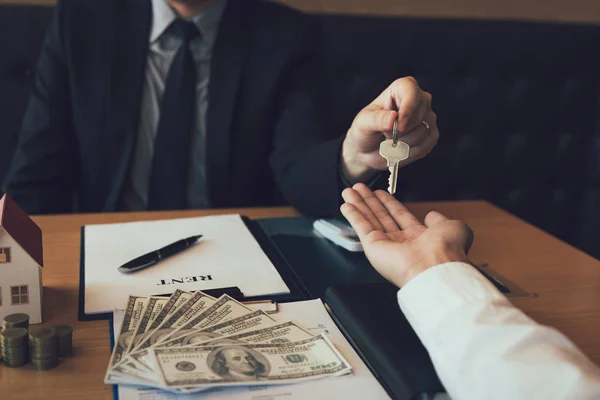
x,y
483,347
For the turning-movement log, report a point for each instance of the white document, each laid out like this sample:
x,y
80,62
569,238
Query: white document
x,y
311,314
227,255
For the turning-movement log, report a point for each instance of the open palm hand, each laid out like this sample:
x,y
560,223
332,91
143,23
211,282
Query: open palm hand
x,y
396,243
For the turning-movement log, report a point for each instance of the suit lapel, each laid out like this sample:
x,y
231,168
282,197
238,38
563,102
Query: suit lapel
x,y
226,68
129,51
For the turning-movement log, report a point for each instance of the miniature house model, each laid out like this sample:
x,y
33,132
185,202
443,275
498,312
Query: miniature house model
x,y
21,263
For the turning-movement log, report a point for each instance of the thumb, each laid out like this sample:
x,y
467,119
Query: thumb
x,y
434,218
369,121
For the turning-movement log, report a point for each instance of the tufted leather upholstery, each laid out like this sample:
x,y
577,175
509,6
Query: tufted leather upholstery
x,y
518,106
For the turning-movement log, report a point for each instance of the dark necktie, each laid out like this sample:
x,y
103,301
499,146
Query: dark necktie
x,y
167,189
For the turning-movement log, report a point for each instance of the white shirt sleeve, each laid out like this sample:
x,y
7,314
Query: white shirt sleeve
x,y
483,347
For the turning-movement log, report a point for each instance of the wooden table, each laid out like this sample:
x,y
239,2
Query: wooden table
x,y
574,11
566,281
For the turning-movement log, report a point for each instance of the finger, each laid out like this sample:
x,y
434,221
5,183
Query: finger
x,y
361,225
415,137
420,114
353,197
417,126
404,218
380,212
426,145
465,234
433,218
406,94
371,120
470,238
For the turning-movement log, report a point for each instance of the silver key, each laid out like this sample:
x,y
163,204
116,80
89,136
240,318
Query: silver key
x,y
394,151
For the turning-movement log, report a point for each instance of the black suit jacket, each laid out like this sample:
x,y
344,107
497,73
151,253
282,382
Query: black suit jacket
x,y
265,122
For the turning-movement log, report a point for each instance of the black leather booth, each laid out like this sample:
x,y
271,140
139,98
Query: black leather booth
x,y
518,106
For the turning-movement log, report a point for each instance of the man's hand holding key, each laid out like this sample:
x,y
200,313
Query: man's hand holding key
x,y
364,152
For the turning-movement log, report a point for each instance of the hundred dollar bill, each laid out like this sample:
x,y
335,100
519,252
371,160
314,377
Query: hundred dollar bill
x,y
178,298
125,366
285,332
248,364
155,305
191,308
226,308
194,304
133,313
248,322
118,377
130,371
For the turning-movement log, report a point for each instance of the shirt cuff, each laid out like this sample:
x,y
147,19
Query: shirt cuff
x,y
344,183
437,292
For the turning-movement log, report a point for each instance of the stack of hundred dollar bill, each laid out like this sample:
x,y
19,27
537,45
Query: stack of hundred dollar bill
x,y
190,342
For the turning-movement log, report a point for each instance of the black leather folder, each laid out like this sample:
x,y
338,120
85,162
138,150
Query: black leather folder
x,y
316,262
370,318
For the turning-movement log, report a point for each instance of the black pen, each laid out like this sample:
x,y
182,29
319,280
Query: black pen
x,y
149,259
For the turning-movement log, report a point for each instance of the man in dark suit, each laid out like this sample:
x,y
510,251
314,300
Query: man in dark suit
x,y
172,104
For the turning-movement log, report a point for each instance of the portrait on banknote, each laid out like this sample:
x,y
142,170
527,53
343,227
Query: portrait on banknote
x,y
238,363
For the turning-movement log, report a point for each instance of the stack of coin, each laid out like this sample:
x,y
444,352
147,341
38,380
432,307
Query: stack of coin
x,y
65,340
16,321
14,347
43,346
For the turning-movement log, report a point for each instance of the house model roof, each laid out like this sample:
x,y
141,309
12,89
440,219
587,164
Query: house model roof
x,y
22,228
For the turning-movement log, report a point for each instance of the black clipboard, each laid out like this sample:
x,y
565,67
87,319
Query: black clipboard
x,y
297,290
384,340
